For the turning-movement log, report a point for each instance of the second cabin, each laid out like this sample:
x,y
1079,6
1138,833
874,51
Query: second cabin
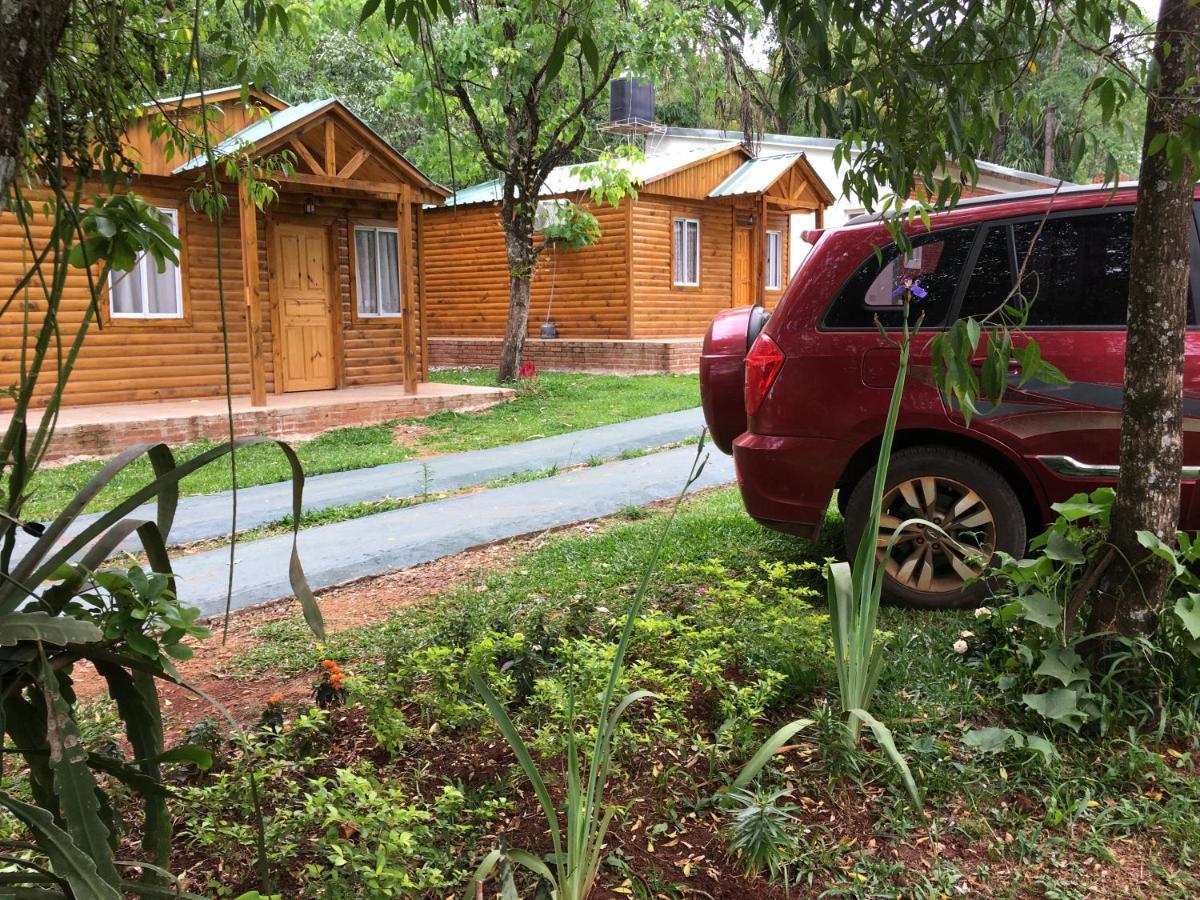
x,y
708,230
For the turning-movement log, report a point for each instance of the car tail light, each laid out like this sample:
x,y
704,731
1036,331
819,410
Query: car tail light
x,y
763,363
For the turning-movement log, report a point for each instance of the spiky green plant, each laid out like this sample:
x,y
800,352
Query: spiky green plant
x,y
577,835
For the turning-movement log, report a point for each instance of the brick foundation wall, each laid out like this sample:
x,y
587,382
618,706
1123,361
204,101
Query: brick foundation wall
x,y
601,356
103,440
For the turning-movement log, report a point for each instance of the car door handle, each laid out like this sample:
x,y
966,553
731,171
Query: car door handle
x,y
1014,367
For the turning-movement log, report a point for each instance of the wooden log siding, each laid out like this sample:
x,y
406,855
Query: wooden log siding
x,y
140,359
466,287
126,360
662,309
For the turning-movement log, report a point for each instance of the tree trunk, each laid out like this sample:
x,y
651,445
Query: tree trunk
x,y
999,140
1049,137
1151,419
29,34
522,259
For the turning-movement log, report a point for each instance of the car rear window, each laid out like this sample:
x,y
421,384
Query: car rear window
x,y
935,262
1076,274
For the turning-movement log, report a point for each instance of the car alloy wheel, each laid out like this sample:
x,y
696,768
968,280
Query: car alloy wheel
x,y
950,544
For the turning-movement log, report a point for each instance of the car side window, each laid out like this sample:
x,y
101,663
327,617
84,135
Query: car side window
x,y
1077,273
935,262
991,277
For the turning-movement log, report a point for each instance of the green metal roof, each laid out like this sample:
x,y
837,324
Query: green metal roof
x,y
569,180
259,131
755,175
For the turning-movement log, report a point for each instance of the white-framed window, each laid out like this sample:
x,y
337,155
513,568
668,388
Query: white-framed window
x,y
144,292
377,271
774,263
687,252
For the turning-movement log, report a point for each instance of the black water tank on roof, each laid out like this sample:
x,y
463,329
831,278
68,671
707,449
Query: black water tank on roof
x,y
631,101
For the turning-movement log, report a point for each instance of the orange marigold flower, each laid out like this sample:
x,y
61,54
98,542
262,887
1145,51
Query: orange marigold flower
x,y
274,699
328,664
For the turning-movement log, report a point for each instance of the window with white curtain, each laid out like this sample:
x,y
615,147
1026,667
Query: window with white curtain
x,y
687,252
774,266
377,271
144,292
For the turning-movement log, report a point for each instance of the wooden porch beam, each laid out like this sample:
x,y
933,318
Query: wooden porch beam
x,y
355,161
248,219
330,148
306,156
388,190
404,229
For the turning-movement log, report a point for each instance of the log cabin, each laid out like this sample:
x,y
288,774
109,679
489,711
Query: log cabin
x,y
707,231
321,289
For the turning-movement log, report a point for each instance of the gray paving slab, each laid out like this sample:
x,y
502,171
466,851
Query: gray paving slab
x,y
385,542
207,516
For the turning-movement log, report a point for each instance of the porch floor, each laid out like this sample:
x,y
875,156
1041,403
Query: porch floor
x,y
103,430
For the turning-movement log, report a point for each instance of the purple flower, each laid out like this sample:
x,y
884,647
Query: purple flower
x,y
910,286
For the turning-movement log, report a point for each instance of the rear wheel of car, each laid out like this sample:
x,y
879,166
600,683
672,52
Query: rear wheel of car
x,y
966,499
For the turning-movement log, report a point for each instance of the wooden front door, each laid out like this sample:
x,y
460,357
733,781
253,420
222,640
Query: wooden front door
x,y
743,268
305,302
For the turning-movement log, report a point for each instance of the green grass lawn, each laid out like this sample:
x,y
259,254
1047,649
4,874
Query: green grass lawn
x,y
733,642
558,403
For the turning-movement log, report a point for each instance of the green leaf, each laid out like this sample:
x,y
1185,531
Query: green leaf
x,y
67,861
136,697
1187,608
1040,745
73,779
1061,548
368,10
769,748
989,740
1078,507
1059,705
1151,542
590,53
36,625
1041,609
883,737
1064,664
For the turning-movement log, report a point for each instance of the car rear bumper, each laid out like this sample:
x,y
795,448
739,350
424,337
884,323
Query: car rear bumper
x,y
786,482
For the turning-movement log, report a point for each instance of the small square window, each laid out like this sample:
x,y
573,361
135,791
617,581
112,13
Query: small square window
x,y
687,252
774,261
144,292
377,271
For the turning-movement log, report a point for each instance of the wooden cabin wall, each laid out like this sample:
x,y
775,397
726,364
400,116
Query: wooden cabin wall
x,y
660,308
149,152
128,360
697,181
467,286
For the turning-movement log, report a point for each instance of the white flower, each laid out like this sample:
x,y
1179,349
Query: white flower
x,y
966,634
960,647
982,612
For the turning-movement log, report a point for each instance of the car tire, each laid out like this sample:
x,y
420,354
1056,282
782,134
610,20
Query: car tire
x,y
970,498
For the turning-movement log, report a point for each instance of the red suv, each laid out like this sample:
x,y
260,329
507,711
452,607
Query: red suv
x,y
800,396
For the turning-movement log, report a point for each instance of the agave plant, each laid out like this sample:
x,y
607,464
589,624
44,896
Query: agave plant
x,y
855,592
60,606
577,836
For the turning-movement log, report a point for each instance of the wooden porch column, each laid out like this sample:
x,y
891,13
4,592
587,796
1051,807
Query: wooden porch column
x,y
819,217
760,251
248,216
404,228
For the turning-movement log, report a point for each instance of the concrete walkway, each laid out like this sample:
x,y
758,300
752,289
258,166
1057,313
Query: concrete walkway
x,y
207,516
385,542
